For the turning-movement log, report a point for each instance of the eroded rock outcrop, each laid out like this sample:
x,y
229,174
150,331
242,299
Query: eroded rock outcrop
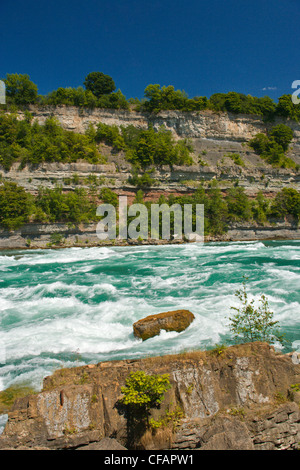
x,y
242,398
175,320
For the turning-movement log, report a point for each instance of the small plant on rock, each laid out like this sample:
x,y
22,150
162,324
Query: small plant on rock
x,y
143,391
253,324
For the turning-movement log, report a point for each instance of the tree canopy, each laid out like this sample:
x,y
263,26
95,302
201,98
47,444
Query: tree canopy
x,y
20,90
99,84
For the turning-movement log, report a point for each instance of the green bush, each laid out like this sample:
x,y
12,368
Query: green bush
x,y
287,108
253,324
143,181
20,90
73,206
162,98
238,204
272,147
146,147
99,84
109,197
260,208
144,391
30,143
56,238
282,135
286,202
236,158
84,99
16,206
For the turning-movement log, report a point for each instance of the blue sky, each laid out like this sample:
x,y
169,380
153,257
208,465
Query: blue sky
x,y
202,47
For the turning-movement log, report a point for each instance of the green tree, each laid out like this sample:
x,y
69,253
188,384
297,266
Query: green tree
x,y
282,135
259,143
16,206
109,197
272,147
159,98
20,90
239,207
57,206
286,202
216,210
27,142
99,84
287,108
260,208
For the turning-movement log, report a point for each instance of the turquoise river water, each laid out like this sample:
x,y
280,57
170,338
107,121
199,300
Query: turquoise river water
x,y
60,308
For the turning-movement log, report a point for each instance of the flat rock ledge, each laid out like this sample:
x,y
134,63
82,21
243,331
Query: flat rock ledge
x,y
175,320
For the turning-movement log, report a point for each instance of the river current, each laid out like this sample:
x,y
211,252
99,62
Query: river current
x,y
66,307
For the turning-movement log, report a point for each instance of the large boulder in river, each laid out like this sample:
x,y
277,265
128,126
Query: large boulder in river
x,y
176,320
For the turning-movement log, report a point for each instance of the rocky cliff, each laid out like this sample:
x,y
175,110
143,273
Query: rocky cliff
x,y
213,136
241,397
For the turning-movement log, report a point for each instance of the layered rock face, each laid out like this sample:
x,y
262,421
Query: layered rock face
x,y
205,124
243,397
213,136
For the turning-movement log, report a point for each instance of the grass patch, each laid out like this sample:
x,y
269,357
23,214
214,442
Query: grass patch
x,y
8,396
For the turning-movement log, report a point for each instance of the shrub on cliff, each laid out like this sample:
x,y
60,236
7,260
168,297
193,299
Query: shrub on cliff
x,y
109,197
272,147
145,147
84,98
244,104
282,135
16,206
287,108
167,98
238,203
141,393
25,142
58,206
144,391
286,202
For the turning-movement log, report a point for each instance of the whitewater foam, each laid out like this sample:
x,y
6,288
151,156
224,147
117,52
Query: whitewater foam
x,y
75,306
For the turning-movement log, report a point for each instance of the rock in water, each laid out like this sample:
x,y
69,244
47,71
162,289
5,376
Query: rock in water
x,y
176,320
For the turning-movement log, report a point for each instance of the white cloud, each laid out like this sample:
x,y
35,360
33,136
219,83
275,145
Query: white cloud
x,y
269,88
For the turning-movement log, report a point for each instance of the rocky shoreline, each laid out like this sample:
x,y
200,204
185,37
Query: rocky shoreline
x,y
59,235
243,397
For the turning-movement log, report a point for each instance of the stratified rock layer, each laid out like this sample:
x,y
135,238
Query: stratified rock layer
x,y
175,320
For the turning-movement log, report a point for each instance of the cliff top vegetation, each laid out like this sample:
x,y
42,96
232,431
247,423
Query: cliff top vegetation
x,y
98,90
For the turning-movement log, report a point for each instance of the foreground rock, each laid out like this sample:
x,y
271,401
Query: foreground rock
x,y
266,429
245,397
176,320
105,444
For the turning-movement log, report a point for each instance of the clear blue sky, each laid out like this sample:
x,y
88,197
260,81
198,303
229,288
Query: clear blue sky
x,y
199,46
